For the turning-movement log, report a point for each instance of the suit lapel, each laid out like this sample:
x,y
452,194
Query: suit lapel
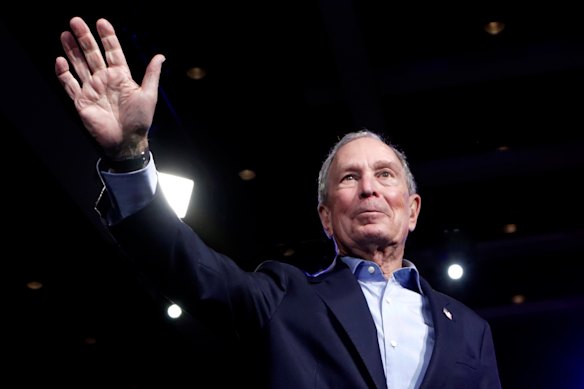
x,y
342,294
446,333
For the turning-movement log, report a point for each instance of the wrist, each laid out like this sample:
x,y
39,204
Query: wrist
x,y
126,164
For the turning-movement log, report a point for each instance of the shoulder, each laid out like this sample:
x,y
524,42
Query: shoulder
x,y
445,303
280,269
293,273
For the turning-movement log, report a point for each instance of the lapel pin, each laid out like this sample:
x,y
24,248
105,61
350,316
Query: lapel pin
x,y
447,313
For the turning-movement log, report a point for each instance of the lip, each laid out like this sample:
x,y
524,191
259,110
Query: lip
x,y
368,211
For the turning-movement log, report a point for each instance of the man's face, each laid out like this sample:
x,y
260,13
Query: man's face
x,y
368,203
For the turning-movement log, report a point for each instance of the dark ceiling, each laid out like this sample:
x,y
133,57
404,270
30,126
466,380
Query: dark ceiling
x,y
492,125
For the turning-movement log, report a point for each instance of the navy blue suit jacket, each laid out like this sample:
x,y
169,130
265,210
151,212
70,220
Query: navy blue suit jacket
x,y
309,332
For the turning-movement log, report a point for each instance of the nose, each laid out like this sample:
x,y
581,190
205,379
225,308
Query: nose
x,y
367,187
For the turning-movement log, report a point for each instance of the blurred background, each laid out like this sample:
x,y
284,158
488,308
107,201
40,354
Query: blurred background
x,y
485,101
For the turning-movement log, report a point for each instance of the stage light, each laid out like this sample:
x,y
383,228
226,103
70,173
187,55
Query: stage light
x,y
178,192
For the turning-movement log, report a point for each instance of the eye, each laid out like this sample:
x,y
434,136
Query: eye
x,y
349,177
385,174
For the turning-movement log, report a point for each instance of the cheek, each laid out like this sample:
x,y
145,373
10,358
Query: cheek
x,y
397,199
343,200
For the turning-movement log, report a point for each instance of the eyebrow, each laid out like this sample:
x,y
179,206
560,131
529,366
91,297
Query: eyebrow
x,y
386,163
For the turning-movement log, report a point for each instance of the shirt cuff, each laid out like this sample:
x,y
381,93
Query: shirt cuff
x,y
132,191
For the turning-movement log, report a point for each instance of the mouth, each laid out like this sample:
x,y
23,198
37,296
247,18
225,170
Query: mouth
x,y
368,212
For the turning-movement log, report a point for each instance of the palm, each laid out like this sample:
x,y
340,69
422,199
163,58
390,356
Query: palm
x,y
113,107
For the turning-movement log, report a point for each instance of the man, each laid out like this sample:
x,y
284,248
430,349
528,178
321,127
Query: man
x,y
367,321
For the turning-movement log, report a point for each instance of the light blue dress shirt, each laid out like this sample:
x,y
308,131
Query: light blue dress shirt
x,y
402,316
399,309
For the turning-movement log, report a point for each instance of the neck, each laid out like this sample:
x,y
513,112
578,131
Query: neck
x,y
389,258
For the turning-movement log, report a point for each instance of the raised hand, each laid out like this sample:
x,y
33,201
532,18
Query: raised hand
x,y
113,107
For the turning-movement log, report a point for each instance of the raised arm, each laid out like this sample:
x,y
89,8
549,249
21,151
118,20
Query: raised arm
x,y
117,111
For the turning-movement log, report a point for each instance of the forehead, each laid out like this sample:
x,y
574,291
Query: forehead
x,y
364,151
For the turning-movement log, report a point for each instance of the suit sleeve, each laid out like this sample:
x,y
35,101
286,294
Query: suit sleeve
x,y
490,377
177,263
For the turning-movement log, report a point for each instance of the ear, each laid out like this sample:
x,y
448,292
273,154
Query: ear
x,y
415,203
325,219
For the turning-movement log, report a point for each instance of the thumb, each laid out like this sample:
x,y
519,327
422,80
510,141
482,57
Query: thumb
x,y
152,74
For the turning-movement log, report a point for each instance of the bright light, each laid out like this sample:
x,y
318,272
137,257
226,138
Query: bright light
x,y
455,271
177,191
174,311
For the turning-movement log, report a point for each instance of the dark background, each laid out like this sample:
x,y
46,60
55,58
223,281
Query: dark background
x,y
491,124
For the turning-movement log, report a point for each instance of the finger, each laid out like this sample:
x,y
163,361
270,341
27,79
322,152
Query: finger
x,y
152,74
88,44
114,55
69,82
75,56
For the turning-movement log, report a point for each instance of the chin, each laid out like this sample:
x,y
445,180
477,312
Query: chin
x,y
374,234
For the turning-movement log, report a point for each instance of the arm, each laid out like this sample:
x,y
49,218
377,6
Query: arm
x,y
178,264
489,361
118,113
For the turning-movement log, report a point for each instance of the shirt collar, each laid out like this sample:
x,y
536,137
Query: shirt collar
x,y
407,276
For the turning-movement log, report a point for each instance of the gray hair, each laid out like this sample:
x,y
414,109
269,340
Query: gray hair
x,y
351,136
